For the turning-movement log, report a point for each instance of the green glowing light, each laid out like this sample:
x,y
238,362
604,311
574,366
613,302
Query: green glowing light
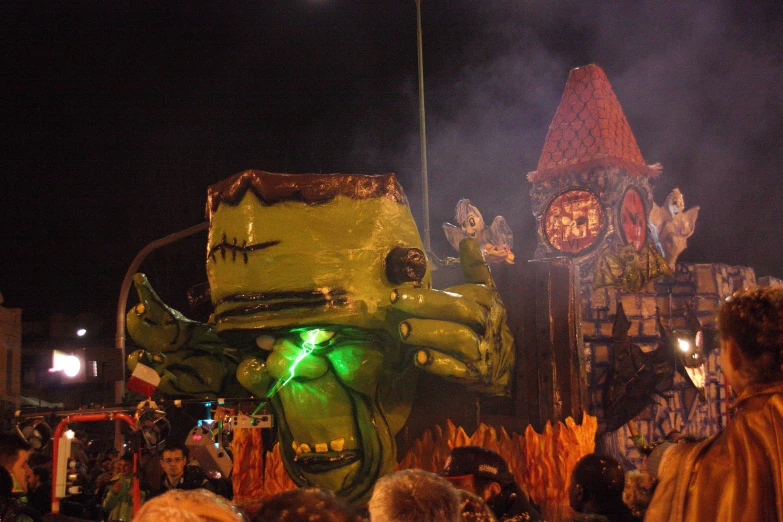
x,y
307,346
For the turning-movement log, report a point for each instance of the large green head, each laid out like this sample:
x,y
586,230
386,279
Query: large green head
x,y
288,249
305,266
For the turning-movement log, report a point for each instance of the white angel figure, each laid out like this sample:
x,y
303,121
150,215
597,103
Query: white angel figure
x,y
495,242
671,226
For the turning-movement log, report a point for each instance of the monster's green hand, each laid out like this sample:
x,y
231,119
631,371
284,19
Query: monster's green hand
x,y
188,355
460,333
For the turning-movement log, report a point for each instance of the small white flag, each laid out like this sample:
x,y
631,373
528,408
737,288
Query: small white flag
x,y
143,380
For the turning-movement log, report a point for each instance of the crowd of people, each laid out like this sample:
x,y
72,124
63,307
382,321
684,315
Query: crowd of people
x,y
731,476
100,487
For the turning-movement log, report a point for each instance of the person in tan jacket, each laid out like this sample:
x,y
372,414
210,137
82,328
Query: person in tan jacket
x,y
736,474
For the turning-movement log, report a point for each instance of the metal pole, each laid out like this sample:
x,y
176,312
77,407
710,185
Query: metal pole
x,y
119,388
425,191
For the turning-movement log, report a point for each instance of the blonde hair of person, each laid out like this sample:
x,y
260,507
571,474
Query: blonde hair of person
x,y
195,505
414,495
305,505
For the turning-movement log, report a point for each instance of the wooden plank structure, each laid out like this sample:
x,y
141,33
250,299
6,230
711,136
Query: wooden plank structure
x,y
543,303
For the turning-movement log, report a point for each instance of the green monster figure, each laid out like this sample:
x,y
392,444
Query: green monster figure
x,y
324,307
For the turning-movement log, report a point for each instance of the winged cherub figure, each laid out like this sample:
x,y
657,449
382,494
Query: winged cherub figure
x,y
671,226
495,242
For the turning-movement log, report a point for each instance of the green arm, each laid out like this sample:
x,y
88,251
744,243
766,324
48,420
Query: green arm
x,y
189,356
461,333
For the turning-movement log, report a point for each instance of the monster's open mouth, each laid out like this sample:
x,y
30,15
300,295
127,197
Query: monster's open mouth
x,y
312,445
321,462
249,304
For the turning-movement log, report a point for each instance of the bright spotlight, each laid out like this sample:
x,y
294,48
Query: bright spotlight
x,y
69,434
81,332
685,345
71,366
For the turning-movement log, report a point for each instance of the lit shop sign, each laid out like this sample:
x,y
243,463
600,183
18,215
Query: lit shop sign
x,y
69,364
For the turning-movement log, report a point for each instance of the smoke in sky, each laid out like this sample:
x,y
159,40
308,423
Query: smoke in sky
x,y
119,115
698,82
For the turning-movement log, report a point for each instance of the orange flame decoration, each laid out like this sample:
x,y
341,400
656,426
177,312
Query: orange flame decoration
x,y
541,461
549,459
248,472
276,479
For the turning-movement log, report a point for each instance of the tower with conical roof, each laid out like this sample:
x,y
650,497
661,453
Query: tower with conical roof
x,y
591,192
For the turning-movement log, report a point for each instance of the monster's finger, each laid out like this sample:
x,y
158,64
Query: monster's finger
x,y
443,305
134,358
452,339
154,325
474,268
480,293
444,366
152,306
148,298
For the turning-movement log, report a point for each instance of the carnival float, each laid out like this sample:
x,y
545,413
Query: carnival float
x,y
339,349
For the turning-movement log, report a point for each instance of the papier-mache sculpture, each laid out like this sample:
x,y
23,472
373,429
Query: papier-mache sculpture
x,y
495,242
324,309
671,226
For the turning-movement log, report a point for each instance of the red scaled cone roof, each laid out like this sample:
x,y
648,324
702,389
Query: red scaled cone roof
x,y
589,130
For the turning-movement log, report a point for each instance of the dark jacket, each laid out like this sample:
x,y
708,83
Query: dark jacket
x,y
193,478
615,513
512,504
11,510
619,514
474,509
40,498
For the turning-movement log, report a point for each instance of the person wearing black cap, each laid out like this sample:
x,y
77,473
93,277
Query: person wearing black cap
x,y
484,473
596,490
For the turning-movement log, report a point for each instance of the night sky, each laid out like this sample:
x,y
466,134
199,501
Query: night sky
x,y
117,116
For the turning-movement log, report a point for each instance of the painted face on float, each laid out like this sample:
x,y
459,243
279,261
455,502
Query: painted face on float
x,y
675,202
307,274
324,308
473,223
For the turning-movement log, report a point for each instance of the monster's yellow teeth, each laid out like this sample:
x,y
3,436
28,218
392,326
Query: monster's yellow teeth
x,y
320,447
265,342
337,444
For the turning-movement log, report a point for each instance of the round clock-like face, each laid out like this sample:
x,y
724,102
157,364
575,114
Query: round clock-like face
x,y
633,219
573,221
